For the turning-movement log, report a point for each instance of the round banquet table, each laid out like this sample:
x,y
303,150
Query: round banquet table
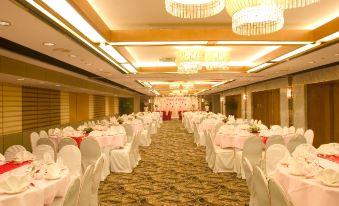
x,y
41,192
310,192
118,140
227,140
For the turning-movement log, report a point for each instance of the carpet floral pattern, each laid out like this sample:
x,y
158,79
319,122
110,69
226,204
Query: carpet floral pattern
x,y
173,171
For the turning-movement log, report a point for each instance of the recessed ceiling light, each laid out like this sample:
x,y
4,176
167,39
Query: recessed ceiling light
x,y
72,55
57,85
5,23
311,62
101,70
89,64
337,54
48,44
20,79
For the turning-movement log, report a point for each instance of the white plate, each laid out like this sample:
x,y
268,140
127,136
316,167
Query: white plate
x,y
297,174
53,178
329,184
17,191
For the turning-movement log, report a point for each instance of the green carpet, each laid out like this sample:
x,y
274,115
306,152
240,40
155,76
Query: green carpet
x,y
173,171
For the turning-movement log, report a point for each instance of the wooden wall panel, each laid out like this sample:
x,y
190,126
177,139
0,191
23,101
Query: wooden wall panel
x,y
1,130
106,106
116,105
266,106
12,109
64,108
73,107
111,106
318,97
233,101
90,107
336,112
82,107
98,106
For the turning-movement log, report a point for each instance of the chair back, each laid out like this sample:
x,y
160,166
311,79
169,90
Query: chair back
x,y
72,194
10,153
275,139
276,127
129,131
278,196
86,187
253,150
40,151
309,135
96,180
294,142
260,185
300,131
46,141
66,141
71,156
43,134
34,137
273,156
90,152
248,170
50,131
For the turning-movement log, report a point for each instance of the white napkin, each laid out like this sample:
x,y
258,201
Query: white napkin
x,y
57,132
24,156
297,167
48,158
60,162
2,159
14,184
53,171
329,149
81,128
329,177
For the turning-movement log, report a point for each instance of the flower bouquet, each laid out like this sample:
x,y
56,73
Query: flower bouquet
x,y
254,128
225,119
88,130
120,120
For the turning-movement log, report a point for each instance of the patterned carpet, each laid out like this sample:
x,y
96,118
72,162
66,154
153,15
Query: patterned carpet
x,y
173,171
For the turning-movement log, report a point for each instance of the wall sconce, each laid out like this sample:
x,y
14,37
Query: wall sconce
x,y
202,100
244,97
149,100
289,92
222,99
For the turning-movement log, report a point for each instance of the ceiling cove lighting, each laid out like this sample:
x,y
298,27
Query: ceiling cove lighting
x,y
291,4
263,42
158,43
202,100
66,11
75,34
258,68
129,68
329,37
155,92
5,23
194,9
295,52
113,53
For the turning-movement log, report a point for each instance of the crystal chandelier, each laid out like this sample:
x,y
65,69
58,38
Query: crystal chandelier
x,y
290,4
174,85
216,58
187,85
194,9
189,60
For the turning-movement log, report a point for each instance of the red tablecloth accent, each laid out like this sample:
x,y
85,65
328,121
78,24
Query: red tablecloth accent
x,y
330,158
12,165
264,139
79,139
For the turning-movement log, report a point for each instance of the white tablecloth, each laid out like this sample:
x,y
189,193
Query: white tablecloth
x,y
42,193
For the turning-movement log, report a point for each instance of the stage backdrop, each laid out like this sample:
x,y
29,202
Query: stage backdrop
x,y
176,103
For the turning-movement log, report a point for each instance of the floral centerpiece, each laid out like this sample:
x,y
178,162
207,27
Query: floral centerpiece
x,y
88,130
254,128
224,119
120,120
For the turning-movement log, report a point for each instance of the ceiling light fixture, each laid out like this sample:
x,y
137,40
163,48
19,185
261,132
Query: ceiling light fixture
x,y
189,60
72,55
194,9
329,37
113,53
66,11
291,4
129,68
262,42
5,23
258,68
216,58
295,52
20,79
48,44
158,43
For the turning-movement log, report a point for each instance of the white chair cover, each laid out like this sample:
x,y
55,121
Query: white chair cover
x,y
248,170
120,159
66,141
260,185
46,141
71,197
300,131
90,152
291,130
34,137
305,151
210,155
309,135
198,135
145,136
329,149
276,127
96,180
50,131
294,142
275,139
273,156
10,153
40,150
43,134
86,187
71,156
253,151
224,159
278,196
129,132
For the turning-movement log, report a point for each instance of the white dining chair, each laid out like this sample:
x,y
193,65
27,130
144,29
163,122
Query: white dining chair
x,y
129,131
276,127
46,141
34,137
40,151
66,141
305,150
252,150
145,136
278,196
291,129
248,170
71,197
71,156
86,187
90,152
274,139
300,131
96,180
210,155
43,134
50,131
273,156
260,185
309,135
294,142
224,159
10,153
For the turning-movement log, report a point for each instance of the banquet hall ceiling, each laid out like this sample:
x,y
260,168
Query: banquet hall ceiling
x,y
124,23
